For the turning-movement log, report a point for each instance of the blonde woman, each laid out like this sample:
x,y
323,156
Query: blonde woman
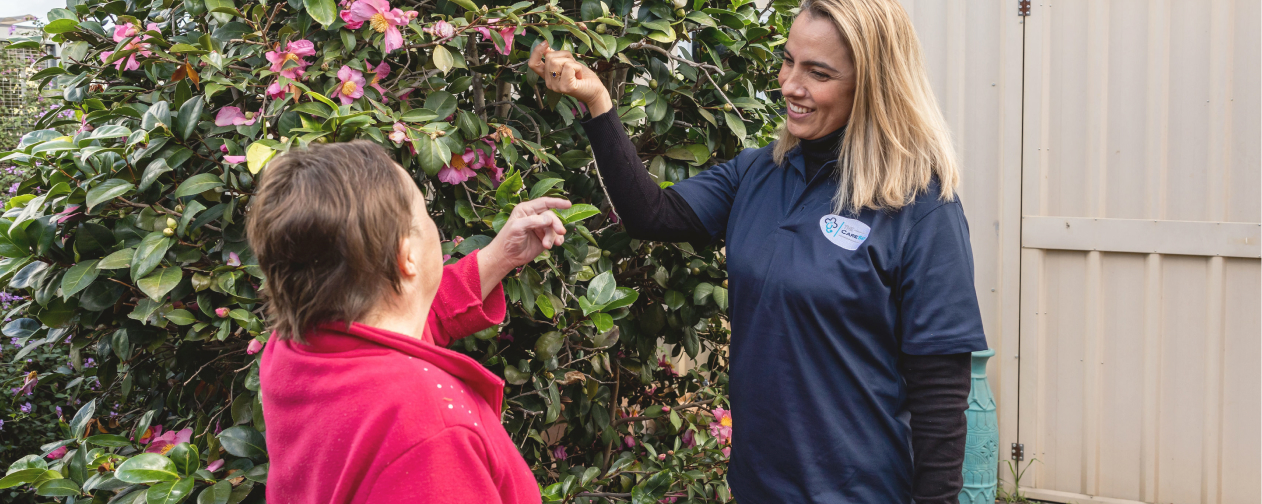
x,y
851,274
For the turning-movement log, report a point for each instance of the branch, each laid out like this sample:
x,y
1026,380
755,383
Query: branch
x,y
630,419
703,66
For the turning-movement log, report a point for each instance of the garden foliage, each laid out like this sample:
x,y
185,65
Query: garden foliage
x,y
127,239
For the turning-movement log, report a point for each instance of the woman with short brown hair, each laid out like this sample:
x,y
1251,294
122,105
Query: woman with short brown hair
x,y
848,256
361,401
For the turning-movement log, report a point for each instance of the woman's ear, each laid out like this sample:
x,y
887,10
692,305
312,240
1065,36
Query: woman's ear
x,y
407,258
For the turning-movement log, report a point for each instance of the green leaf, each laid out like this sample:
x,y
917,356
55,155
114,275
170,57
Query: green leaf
x,y
146,468
576,213
61,26
154,170
257,156
57,488
149,254
185,458
548,344
198,184
180,317
432,154
190,112
160,282
108,440
508,188
545,305
720,298
21,477
418,115
735,124
701,293
542,187
80,420
601,288
78,277
219,493
651,489
623,296
243,441
223,18
443,59
117,260
674,299
110,131
441,102
603,321
108,190
467,4
170,492
514,376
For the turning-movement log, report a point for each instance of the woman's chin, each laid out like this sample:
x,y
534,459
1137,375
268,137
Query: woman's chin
x,y
801,131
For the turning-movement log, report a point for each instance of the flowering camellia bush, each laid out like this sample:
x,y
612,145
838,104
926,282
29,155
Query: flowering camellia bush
x,y
127,239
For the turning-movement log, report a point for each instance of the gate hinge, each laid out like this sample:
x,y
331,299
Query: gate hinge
x,y
1018,452
1023,8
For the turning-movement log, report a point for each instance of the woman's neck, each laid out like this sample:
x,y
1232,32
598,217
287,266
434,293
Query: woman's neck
x,y
818,152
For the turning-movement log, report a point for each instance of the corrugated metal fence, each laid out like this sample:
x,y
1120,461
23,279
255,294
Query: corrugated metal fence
x,y
1113,184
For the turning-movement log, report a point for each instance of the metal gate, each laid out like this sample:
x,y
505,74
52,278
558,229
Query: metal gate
x,y
1113,185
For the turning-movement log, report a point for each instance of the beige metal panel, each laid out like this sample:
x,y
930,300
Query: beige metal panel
x,y
1140,376
1239,434
1231,239
973,53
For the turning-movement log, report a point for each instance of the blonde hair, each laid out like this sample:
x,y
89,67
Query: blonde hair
x,y
896,139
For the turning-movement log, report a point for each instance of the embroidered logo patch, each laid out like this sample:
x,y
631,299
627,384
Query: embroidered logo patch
x,y
843,232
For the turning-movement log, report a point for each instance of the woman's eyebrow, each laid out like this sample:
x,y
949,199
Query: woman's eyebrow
x,y
814,63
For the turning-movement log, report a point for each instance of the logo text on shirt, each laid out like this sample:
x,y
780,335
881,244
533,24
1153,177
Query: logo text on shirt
x,y
843,232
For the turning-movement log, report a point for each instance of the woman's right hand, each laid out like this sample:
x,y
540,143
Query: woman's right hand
x,y
563,74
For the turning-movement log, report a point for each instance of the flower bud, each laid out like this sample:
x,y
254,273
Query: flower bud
x,y
221,312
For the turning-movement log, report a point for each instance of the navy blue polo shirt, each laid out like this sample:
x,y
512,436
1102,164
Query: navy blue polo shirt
x,y
821,306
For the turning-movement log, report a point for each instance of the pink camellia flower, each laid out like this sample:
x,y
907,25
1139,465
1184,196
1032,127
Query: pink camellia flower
x,y
232,116
488,162
559,453
661,456
84,127
223,148
351,85
163,444
721,427
458,170
289,63
215,466
380,72
629,440
400,133
123,32
254,347
234,159
689,438
351,23
234,260
28,385
276,91
506,32
221,312
58,453
383,19
441,31
152,431
727,451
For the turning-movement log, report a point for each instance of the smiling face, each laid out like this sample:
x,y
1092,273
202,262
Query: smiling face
x,y
817,78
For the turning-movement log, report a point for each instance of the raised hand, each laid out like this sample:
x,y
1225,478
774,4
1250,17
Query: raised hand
x,y
531,228
563,74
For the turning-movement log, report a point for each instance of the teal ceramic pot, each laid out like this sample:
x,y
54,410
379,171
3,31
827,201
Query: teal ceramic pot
x,y
981,454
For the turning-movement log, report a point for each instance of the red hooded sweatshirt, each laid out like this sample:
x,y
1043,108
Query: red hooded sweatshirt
x,y
365,415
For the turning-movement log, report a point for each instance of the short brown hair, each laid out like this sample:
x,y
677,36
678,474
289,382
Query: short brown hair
x,y
325,224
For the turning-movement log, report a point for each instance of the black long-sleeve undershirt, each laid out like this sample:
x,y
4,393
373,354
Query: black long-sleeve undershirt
x,y
937,385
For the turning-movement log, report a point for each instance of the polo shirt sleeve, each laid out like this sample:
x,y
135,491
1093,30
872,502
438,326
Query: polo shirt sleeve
x,y
938,312
459,308
711,192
